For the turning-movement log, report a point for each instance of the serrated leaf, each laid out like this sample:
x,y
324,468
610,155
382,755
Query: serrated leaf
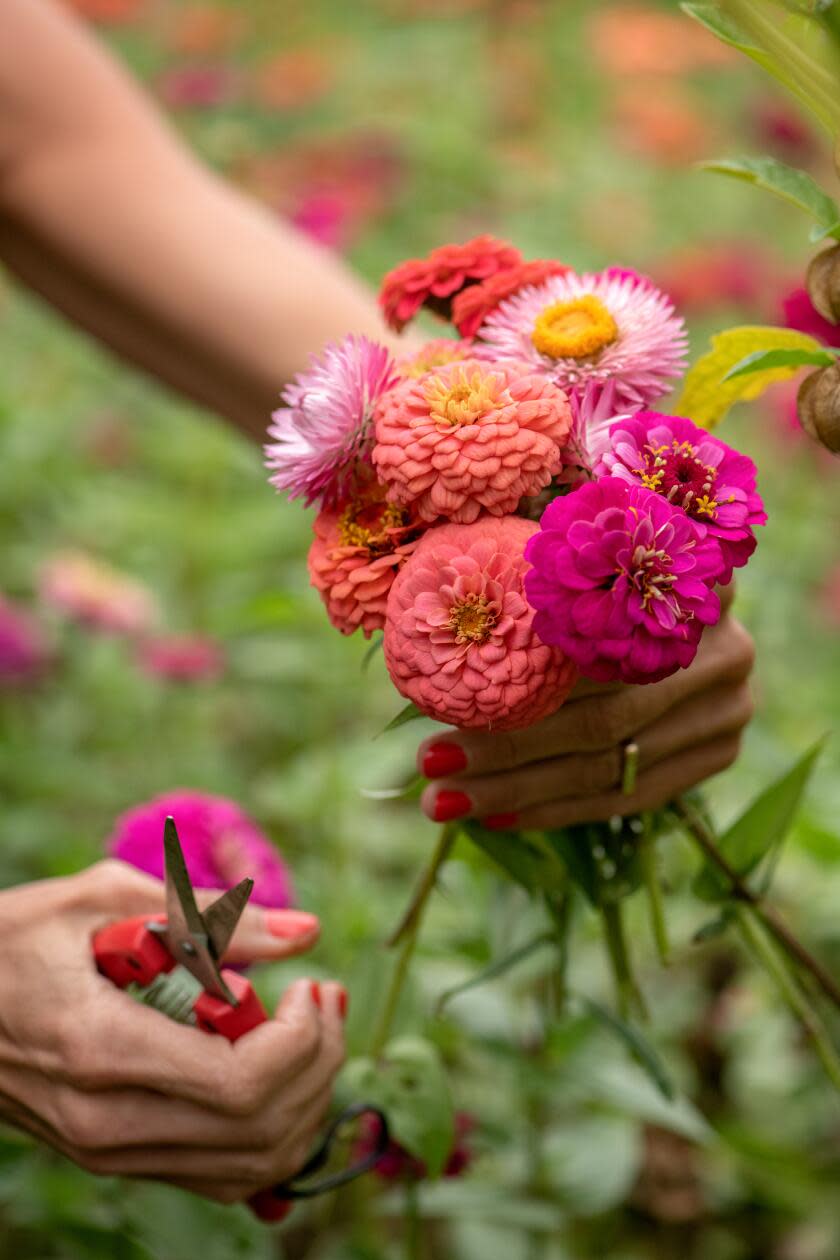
x,y
762,826
787,182
647,1057
761,360
707,395
409,714
494,969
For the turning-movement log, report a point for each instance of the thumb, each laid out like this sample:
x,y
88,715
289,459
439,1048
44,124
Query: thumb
x,y
264,935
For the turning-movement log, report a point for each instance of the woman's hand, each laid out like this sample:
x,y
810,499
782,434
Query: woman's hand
x,y
568,768
119,1088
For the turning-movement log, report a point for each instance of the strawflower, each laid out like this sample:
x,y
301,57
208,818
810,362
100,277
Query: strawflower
x,y
323,436
357,552
472,436
694,470
473,304
435,280
181,657
622,581
608,326
88,591
459,636
594,413
221,844
23,649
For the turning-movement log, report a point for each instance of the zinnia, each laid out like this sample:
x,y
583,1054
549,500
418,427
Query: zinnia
x,y
434,281
221,844
459,639
357,551
23,649
471,436
473,304
610,326
323,436
622,581
181,657
89,591
694,470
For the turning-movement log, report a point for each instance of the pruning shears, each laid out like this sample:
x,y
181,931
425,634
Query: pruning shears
x,y
171,962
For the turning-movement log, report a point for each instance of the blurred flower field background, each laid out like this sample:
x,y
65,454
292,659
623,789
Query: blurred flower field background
x,y
201,659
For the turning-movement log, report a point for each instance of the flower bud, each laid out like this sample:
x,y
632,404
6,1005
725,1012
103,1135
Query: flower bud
x,y
818,405
823,282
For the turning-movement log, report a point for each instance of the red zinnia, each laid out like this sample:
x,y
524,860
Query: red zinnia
x,y
473,304
434,281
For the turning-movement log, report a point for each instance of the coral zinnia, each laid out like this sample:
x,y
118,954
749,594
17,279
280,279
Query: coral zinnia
x,y
622,581
221,844
355,555
459,640
434,281
580,328
323,436
694,470
471,436
472,305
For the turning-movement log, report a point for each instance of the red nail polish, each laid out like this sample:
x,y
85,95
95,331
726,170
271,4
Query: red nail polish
x,y
290,925
500,822
449,805
343,1001
442,759
315,991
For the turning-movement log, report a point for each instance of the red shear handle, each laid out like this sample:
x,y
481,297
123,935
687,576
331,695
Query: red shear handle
x,y
214,1015
127,952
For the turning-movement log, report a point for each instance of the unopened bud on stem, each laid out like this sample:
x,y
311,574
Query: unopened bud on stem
x,y
823,282
818,405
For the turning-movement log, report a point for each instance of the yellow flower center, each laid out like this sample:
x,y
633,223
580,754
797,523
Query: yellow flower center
x,y
575,329
472,619
463,398
438,357
370,524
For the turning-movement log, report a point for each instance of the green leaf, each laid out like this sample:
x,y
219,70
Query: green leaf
x,y
524,856
635,1041
495,969
602,860
410,1086
707,394
374,649
761,360
464,1199
712,929
762,827
409,714
793,185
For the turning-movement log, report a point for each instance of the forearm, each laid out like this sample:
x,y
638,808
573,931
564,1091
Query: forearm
x,y
112,220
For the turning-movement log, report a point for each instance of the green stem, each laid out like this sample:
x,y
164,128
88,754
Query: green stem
x,y
392,997
414,910
628,996
413,1236
757,941
653,888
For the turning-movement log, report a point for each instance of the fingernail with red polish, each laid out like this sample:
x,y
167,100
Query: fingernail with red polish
x,y
449,805
500,822
442,759
343,1001
315,992
290,925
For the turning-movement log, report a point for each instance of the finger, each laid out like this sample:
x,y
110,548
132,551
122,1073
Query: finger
x,y
654,788
710,715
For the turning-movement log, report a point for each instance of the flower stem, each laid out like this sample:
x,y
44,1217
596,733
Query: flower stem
x,y
425,884
413,1237
767,952
627,992
656,908
774,924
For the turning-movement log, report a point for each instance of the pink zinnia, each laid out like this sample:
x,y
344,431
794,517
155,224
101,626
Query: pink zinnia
x,y
694,470
434,281
470,437
472,305
323,436
181,657
23,650
459,639
610,326
89,591
623,581
357,552
221,844
397,1164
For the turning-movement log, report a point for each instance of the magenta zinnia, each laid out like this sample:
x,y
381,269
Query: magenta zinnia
x,y
613,325
322,438
694,470
622,581
459,640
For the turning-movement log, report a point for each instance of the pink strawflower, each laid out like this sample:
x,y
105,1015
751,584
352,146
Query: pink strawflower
x,y
396,1164
23,649
437,353
622,581
357,552
473,304
694,470
221,844
468,437
323,436
85,589
801,314
181,657
609,326
594,413
434,281
459,639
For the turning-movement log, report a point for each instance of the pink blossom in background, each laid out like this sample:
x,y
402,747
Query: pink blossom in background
x,y
325,431
783,129
87,590
181,657
459,637
221,844
327,217
435,280
703,278
397,1164
622,581
468,437
198,86
23,649
694,470
800,313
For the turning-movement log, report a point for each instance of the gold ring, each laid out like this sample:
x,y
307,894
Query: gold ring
x,y
629,767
